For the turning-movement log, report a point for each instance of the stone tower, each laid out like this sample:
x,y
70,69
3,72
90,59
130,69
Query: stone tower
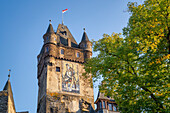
x,y
62,88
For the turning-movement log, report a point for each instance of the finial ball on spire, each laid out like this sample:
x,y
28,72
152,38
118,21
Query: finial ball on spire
x,y
84,29
50,21
9,73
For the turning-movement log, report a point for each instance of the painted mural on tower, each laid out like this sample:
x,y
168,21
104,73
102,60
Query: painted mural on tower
x,y
70,78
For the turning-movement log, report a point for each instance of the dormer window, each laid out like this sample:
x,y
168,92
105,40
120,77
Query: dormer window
x,y
64,33
78,54
62,51
47,38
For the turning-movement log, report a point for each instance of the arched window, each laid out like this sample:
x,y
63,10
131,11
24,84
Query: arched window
x,y
78,54
62,51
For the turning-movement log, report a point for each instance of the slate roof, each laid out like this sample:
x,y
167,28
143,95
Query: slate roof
x,y
101,96
63,34
85,37
50,29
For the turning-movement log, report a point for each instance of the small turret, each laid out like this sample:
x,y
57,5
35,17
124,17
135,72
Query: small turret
x,y
85,43
50,36
8,94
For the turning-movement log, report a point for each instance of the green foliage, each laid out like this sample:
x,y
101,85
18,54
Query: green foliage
x,y
135,69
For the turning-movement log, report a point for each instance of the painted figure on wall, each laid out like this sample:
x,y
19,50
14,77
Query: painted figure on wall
x,y
70,79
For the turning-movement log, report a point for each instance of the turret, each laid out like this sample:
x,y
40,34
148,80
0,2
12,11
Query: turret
x,y
6,98
50,36
86,45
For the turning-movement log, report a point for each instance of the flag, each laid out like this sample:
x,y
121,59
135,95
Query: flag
x,y
63,11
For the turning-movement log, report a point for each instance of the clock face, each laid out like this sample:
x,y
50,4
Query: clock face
x,y
70,77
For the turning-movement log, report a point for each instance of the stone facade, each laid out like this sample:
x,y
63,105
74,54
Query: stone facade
x,y
62,88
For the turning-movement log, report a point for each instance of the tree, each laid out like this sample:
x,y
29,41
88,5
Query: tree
x,y
135,69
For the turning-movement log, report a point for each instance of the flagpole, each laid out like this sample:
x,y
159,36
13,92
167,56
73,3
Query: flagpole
x,y
62,15
62,18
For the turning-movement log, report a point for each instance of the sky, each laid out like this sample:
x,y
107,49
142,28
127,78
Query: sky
x,y
23,24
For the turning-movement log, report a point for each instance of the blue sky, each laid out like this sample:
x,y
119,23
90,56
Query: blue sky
x,y
23,23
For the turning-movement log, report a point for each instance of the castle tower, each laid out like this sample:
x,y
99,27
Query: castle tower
x,y
86,45
62,88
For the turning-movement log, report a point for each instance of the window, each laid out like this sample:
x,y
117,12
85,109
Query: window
x,y
104,106
85,45
110,107
47,38
100,105
57,69
114,108
78,54
62,51
50,64
64,33
55,39
47,49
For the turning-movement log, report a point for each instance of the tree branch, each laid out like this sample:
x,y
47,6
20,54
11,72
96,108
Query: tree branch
x,y
145,89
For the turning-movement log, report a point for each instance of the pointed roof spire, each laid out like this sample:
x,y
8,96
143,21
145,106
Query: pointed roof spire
x,y
8,88
50,28
85,37
8,84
